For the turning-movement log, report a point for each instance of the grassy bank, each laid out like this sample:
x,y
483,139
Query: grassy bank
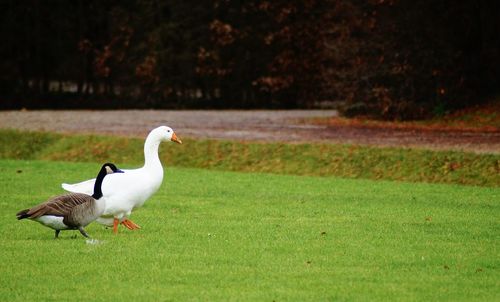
x,y
482,118
299,159
229,236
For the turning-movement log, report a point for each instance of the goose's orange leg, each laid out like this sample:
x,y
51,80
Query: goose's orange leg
x,y
126,224
129,224
115,225
133,224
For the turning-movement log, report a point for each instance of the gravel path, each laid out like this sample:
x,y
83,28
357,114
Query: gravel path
x,y
256,125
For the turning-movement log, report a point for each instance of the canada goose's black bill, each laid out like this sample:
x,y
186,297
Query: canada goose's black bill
x,y
175,139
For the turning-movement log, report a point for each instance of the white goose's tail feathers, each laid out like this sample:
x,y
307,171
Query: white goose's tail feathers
x,y
85,187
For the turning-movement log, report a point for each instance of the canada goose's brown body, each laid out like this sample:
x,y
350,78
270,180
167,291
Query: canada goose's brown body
x,y
71,211
66,212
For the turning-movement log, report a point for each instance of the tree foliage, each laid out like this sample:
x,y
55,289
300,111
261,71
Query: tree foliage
x,y
393,59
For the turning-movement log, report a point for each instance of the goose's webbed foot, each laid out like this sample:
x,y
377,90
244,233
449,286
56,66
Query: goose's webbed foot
x,y
129,224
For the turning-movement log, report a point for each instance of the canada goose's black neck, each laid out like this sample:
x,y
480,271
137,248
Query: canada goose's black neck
x,y
98,183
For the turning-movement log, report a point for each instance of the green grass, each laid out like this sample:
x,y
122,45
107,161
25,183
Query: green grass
x,y
299,159
228,236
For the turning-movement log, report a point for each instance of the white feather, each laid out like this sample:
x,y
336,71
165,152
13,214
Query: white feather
x,y
54,222
85,187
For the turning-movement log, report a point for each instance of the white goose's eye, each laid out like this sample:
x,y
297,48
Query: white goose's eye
x,y
168,131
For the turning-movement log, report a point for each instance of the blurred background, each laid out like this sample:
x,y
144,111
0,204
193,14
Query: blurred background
x,y
384,59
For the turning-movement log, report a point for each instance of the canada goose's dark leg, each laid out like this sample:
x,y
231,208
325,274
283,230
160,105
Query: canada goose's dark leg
x,y
82,231
57,234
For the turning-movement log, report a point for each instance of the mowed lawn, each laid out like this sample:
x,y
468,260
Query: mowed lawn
x,y
228,236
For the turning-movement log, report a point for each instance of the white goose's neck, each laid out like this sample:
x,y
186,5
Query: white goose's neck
x,y
151,159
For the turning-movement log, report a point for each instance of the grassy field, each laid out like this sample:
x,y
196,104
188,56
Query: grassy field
x,y
347,161
219,236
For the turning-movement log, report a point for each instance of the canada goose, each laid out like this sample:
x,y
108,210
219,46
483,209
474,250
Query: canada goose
x,y
127,191
71,211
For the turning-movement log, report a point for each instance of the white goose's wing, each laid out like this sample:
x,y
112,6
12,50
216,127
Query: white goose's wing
x,y
85,187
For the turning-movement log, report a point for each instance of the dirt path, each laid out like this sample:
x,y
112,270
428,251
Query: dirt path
x,y
257,125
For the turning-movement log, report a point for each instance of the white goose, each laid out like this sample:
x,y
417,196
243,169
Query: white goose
x,y
126,191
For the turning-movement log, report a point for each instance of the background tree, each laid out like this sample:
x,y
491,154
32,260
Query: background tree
x,y
392,59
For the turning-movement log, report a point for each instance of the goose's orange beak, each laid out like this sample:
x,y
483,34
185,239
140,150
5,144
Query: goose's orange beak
x,y
175,139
